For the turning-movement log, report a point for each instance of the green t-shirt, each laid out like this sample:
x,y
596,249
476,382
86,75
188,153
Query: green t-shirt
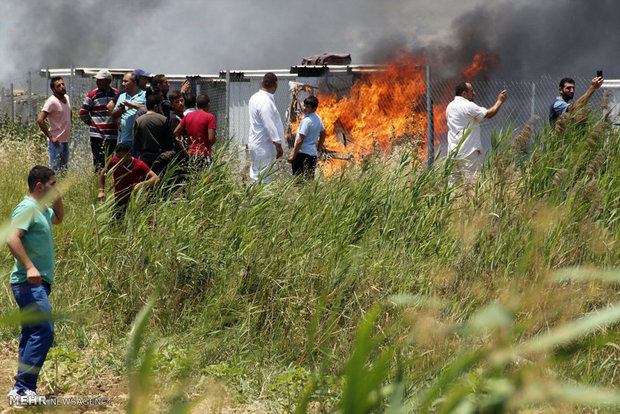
x,y
37,239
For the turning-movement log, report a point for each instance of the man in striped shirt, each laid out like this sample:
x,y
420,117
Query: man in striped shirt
x,y
95,114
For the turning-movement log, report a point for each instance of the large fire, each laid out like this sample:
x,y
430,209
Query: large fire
x,y
383,108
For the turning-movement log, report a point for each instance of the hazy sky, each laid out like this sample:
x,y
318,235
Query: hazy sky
x,y
527,38
186,36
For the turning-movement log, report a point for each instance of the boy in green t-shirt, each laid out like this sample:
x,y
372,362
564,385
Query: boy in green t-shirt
x,y
32,245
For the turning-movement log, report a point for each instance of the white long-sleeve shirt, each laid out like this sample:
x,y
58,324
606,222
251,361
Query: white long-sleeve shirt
x,y
265,122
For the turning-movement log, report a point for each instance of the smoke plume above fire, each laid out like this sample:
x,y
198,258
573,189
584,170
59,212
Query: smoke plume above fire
x,y
522,40
525,37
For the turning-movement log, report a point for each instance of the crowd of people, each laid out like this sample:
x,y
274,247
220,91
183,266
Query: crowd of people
x,y
150,128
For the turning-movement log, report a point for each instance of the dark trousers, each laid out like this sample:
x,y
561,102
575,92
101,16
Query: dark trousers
x,y
102,149
304,164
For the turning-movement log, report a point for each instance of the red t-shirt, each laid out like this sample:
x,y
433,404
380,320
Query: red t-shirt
x,y
126,177
197,124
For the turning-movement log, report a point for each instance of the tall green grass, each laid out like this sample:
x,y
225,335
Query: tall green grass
x,y
384,288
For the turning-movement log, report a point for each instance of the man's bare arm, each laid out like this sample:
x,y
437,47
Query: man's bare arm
x,y
41,120
211,136
501,98
102,175
594,85
16,247
59,210
321,143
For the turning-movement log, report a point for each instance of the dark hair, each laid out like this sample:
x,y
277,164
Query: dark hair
x,y
312,102
39,174
174,95
202,101
564,81
157,80
53,80
460,88
269,80
152,100
122,147
135,78
190,100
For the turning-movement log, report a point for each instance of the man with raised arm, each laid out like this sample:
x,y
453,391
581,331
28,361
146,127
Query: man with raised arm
x,y
567,92
463,117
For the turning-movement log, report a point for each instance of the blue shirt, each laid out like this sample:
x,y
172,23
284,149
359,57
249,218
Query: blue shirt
x,y
37,239
558,107
129,116
310,127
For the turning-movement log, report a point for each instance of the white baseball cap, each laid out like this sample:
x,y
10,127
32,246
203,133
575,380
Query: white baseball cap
x,y
103,74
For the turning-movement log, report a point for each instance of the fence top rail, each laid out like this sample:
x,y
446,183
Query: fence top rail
x,y
611,83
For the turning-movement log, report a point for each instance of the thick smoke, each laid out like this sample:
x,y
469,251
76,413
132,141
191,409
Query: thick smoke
x,y
192,36
530,38
527,37
62,33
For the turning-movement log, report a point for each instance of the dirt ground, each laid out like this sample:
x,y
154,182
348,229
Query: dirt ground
x,y
213,397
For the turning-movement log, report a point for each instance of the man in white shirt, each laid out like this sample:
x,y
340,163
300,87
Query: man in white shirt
x,y
463,117
266,131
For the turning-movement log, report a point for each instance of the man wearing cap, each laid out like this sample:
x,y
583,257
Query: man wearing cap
x,y
143,79
128,104
103,129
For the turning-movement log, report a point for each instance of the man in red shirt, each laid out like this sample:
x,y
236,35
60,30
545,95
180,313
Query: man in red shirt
x,y
129,175
200,126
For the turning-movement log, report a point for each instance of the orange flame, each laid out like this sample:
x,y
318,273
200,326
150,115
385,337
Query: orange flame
x,y
383,107
482,62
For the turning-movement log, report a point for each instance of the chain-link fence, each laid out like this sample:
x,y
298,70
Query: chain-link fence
x,y
363,106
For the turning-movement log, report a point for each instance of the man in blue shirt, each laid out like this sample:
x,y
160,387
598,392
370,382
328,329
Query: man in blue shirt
x,y
127,105
310,137
567,92
32,245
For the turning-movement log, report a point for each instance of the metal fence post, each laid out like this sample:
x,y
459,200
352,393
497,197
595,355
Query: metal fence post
x,y
29,97
71,86
533,108
430,149
12,103
227,106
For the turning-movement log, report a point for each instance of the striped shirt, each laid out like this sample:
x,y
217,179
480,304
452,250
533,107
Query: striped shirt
x,y
95,114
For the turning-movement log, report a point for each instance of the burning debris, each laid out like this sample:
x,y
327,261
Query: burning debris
x,y
378,110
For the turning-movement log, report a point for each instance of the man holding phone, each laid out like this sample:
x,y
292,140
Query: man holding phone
x,y
567,92
127,105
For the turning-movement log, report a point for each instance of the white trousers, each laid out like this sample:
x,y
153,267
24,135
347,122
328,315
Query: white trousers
x,y
262,160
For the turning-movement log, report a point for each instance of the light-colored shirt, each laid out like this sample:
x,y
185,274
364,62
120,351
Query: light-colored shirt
x,y
129,116
265,122
463,118
37,239
59,115
310,127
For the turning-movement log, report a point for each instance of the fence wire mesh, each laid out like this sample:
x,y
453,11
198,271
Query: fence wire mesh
x,y
229,104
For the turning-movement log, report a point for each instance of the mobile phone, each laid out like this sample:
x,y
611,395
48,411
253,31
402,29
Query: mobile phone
x,y
599,73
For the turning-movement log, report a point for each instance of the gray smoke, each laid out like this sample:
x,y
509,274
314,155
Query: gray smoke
x,y
531,38
193,36
62,33
528,37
